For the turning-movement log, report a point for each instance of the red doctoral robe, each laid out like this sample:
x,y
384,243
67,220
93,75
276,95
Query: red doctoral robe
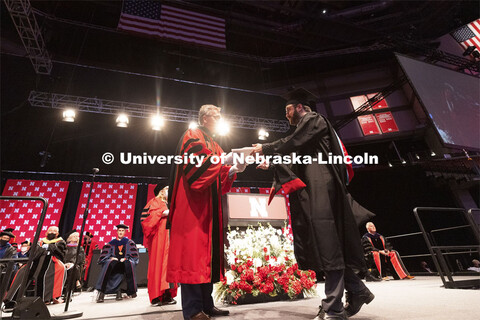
x,y
156,240
88,258
196,236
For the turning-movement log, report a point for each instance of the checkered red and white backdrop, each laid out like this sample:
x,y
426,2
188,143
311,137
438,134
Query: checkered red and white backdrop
x,y
110,205
24,216
240,190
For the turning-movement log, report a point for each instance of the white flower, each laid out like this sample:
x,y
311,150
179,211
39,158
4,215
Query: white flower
x,y
257,262
230,275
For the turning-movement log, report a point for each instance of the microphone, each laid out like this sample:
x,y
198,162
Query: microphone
x,y
95,170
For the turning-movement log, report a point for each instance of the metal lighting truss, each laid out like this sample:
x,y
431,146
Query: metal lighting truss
x,y
30,34
95,105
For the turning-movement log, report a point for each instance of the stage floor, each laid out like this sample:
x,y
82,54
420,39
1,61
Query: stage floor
x,y
420,298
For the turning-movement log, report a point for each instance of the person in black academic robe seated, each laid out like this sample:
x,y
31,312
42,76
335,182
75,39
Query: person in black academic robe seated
x,y
380,256
118,258
25,246
52,274
6,251
47,274
75,272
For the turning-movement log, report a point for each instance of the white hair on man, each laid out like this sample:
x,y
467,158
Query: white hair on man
x,y
205,110
53,229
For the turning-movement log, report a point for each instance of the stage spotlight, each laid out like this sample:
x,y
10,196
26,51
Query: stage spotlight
x,y
432,153
122,120
157,122
390,164
324,11
223,127
403,161
417,156
193,125
69,115
262,134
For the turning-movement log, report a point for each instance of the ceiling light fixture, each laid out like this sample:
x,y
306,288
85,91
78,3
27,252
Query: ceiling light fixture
x,y
122,120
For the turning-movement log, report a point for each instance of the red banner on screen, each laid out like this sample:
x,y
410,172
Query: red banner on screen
x,y
386,122
368,125
380,104
23,216
110,205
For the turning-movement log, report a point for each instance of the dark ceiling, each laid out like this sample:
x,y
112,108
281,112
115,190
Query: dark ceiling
x,y
267,41
270,44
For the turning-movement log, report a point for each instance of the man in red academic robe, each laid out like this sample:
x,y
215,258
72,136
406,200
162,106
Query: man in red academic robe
x,y
196,237
89,244
156,240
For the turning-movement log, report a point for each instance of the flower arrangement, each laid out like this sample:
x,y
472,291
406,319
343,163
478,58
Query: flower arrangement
x,y
261,262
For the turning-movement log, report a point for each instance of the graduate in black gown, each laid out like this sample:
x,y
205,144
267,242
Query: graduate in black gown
x,y
323,225
118,258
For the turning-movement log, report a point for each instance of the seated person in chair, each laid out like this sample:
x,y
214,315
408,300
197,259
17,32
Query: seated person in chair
x,y
7,251
53,274
25,246
118,258
48,273
380,256
75,272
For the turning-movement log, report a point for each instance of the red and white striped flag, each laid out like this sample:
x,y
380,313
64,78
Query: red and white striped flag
x,y
163,21
468,35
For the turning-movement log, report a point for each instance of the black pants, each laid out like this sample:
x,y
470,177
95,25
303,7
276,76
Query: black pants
x,y
336,281
122,268
196,298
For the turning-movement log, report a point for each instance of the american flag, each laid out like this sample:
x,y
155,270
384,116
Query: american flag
x,y
468,35
156,19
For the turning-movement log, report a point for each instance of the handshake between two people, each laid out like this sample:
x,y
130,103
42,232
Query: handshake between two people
x,y
240,166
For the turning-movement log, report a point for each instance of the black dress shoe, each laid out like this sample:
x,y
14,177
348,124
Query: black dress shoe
x,y
336,316
215,312
372,278
100,297
168,301
320,314
119,296
200,316
355,301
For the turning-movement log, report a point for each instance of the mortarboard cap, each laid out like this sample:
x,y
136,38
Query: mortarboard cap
x,y
26,242
300,95
88,233
9,229
121,226
6,233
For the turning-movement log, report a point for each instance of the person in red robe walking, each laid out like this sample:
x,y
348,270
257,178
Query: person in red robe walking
x,y
196,258
156,240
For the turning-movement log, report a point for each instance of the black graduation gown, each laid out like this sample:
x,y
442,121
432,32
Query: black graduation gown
x,y
325,233
114,279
